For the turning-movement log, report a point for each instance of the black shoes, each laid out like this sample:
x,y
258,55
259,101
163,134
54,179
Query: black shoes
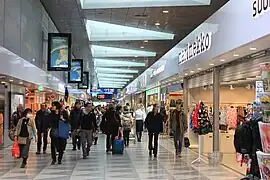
x,y
150,153
23,165
59,162
38,152
155,155
53,162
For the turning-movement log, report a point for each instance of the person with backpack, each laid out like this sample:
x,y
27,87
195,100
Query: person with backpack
x,y
87,125
75,115
57,143
178,127
24,132
127,122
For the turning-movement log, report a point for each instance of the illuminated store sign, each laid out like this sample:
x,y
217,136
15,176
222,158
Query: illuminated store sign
x,y
157,71
260,7
202,44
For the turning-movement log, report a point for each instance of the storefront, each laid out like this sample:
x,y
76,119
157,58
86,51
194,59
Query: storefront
x,y
153,96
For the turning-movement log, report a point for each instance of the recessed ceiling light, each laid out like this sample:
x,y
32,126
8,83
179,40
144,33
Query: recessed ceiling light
x,y
211,64
11,80
157,23
21,82
222,60
3,82
236,55
33,60
253,49
191,71
142,47
199,69
146,41
186,74
165,11
136,56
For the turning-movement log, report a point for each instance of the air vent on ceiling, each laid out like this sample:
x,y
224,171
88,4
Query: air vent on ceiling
x,y
141,16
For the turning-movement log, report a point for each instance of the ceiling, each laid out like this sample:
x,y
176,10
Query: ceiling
x,y
139,32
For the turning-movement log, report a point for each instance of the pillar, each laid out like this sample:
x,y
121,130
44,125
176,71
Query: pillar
x,y
216,84
185,98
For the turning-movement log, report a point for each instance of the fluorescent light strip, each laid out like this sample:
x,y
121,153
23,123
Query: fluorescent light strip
x,y
109,82
116,63
113,79
104,51
115,70
100,31
114,75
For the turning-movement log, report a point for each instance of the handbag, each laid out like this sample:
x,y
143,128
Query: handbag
x,y
186,142
22,140
63,131
54,133
11,134
15,150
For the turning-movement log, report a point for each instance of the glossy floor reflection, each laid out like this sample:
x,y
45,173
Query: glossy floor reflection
x,y
133,165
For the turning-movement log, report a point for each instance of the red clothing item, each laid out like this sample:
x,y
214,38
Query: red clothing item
x,y
195,116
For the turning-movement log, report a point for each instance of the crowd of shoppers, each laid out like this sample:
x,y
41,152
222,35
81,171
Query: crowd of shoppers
x,y
85,122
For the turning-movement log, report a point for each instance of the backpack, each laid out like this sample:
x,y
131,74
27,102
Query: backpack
x,y
243,138
24,128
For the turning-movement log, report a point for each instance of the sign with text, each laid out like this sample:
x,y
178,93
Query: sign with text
x,y
260,7
200,45
103,91
157,71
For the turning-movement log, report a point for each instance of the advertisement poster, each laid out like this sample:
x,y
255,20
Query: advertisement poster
x,y
85,81
59,51
76,72
264,164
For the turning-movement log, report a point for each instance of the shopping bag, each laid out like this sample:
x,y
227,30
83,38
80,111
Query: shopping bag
x,y
63,131
15,150
186,142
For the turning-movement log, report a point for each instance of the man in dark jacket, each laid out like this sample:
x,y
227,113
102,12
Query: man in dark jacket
x,y
74,122
87,125
42,124
154,125
16,116
110,125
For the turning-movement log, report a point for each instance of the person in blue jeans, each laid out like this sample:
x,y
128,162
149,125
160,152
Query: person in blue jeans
x,y
178,126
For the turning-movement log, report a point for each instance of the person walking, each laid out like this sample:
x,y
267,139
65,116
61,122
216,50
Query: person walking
x,y
16,116
110,126
127,123
139,118
41,121
178,126
75,115
154,125
24,132
57,143
87,125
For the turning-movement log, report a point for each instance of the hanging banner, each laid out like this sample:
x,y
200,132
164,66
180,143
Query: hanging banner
x,y
85,81
59,52
76,72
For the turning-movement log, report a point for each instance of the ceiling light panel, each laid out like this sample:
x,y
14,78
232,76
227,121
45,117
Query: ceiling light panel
x,y
110,82
113,79
99,75
101,31
104,4
116,63
116,70
104,51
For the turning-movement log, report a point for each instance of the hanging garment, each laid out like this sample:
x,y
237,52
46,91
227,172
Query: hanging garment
x,y
232,118
204,123
223,117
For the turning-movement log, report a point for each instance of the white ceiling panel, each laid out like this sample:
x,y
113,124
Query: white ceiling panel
x,y
103,51
102,4
114,75
100,31
116,63
115,70
113,79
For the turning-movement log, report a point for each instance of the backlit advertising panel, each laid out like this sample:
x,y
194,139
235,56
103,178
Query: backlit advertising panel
x,y
85,81
59,51
76,72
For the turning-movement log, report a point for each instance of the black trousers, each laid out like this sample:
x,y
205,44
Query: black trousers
x,y
150,144
40,138
109,141
126,136
58,145
76,140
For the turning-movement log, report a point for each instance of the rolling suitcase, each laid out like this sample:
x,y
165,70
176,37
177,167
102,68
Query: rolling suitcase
x,y
118,145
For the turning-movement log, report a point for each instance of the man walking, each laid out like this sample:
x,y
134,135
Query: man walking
x,y
75,115
87,125
41,121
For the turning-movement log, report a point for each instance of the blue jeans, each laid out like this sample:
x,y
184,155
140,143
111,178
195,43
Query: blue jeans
x,y
178,140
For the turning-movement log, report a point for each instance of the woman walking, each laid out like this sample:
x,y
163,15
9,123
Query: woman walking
x,y
24,132
127,123
139,118
57,143
154,125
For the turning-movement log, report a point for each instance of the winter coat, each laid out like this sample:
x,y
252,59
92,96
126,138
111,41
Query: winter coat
x,y
154,123
110,122
42,121
75,115
182,122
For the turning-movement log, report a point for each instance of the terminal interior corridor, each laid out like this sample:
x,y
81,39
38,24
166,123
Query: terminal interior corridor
x,y
133,165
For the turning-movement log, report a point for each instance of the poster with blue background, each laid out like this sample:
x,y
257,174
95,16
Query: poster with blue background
x,y
75,74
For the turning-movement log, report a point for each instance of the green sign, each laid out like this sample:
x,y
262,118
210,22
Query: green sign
x,y
40,88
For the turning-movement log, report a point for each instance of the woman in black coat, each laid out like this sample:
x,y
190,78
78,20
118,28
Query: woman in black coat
x,y
154,125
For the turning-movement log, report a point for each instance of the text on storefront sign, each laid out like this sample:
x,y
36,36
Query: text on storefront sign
x,y
260,7
200,45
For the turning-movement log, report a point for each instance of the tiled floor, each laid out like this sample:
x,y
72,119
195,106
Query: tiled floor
x,y
133,165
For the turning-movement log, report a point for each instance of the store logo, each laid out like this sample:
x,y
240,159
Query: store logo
x,y
157,71
202,44
260,7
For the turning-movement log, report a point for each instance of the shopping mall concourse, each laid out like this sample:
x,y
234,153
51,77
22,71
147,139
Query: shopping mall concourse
x,y
134,89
